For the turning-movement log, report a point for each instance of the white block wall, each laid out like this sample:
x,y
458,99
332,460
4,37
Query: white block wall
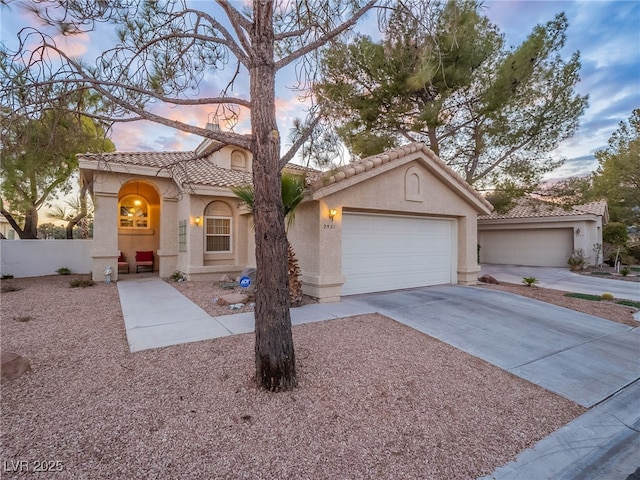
x,y
36,258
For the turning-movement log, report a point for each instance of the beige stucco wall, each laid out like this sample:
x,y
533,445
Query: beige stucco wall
x,y
195,262
317,239
109,239
587,231
317,243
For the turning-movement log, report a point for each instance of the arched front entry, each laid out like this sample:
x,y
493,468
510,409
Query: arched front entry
x,y
138,221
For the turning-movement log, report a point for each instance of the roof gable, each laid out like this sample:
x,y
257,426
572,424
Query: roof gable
x,y
369,167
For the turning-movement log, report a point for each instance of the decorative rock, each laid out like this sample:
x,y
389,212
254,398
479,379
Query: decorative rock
x,y
13,365
233,298
225,279
488,279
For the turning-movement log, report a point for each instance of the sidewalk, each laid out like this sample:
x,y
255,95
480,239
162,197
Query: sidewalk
x,y
601,444
157,315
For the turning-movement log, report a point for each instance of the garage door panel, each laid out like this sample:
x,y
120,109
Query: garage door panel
x,y
545,247
384,252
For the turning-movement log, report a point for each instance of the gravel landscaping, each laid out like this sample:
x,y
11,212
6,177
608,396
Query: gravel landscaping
x,y
375,400
607,310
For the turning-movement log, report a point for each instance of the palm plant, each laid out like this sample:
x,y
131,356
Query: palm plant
x,y
292,195
75,211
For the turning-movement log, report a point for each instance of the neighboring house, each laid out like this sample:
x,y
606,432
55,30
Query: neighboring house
x,y
396,220
7,230
539,233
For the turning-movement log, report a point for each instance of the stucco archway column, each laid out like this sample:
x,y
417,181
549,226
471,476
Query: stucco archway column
x,y
467,240
105,235
168,248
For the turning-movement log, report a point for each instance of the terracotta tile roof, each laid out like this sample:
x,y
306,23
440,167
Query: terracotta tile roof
x,y
184,167
595,208
529,207
372,162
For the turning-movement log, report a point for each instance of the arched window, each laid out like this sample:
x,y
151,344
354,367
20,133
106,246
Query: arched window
x,y
134,212
217,228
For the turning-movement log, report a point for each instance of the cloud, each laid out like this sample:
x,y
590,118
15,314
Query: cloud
x,y
74,46
574,167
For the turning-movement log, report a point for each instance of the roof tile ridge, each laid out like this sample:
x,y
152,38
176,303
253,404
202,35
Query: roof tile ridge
x,y
365,164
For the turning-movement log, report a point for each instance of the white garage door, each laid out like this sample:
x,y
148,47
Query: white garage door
x,y
543,248
389,252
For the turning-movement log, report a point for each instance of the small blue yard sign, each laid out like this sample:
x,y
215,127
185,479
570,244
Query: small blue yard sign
x,y
245,282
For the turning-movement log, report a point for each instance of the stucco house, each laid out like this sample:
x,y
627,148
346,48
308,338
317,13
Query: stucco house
x,y
539,233
6,230
396,220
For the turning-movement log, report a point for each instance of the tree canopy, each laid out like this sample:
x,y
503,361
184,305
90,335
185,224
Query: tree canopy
x,y
39,157
164,51
491,113
617,178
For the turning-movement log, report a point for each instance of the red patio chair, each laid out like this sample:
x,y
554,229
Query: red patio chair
x,y
122,263
144,259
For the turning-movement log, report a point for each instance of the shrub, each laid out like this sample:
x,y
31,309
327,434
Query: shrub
x,y
607,296
577,260
529,281
9,288
584,296
633,250
80,282
6,277
64,271
615,233
629,303
625,271
178,276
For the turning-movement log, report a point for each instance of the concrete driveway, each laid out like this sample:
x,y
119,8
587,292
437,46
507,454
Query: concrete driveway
x,y
592,361
580,357
564,279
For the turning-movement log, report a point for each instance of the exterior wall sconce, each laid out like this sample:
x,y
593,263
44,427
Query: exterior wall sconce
x,y
577,232
332,213
197,220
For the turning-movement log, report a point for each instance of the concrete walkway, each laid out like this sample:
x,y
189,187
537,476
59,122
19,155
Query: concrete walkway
x,y
564,279
157,315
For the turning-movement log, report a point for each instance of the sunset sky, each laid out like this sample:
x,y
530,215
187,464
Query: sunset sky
x,y
605,32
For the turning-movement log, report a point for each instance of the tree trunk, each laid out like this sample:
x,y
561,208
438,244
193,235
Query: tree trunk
x,y
12,221
275,358
82,214
30,230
